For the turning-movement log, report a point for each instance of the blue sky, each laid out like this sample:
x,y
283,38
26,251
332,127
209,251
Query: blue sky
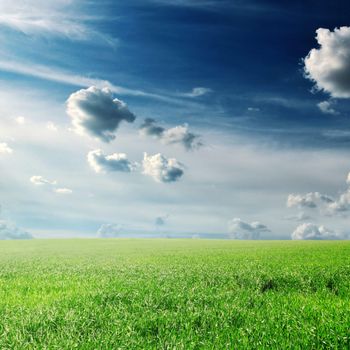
x,y
239,120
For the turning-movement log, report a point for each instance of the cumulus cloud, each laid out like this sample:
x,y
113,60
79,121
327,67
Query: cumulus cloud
x,y
162,169
5,148
109,231
197,92
238,229
179,134
341,205
326,108
11,231
309,200
38,180
96,112
329,65
312,231
102,163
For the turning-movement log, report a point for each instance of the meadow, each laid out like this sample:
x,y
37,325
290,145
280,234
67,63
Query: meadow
x,y
174,294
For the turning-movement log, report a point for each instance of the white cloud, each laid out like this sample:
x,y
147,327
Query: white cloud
x,y
11,231
51,126
197,92
309,200
341,205
239,229
162,169
63,191
326,108
95,112
179,134
5,148
102,163
66,77
109,231
312,231
61,18
20,120
253,109
38,180
329,65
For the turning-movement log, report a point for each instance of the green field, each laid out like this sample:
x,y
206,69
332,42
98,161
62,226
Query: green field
x,y
174,294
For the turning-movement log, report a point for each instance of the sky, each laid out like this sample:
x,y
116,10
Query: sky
x,y
202,119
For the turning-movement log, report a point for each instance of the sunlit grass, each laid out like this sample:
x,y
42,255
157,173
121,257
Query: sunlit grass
x,y
174,294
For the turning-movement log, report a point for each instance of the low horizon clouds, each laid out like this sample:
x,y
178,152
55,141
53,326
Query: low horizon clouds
x,y
239,229
109,231
309,231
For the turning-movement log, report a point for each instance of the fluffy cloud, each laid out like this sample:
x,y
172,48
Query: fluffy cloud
x,y
329,65
95,112
176,135
11,231
312,231
102,163
109,231
309,200
342,204
5,148
326,108
38,180
162,169
239,229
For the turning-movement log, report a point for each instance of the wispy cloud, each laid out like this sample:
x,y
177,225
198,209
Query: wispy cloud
x,y
69,78
61,18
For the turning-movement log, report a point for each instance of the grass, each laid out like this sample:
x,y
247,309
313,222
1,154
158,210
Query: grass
x,y
174,294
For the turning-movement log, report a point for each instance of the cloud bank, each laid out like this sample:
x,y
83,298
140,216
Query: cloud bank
x,y
162,169
238,229
179,134
311,231
329,65
95,112
309,200
109,231
102,163
11,231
